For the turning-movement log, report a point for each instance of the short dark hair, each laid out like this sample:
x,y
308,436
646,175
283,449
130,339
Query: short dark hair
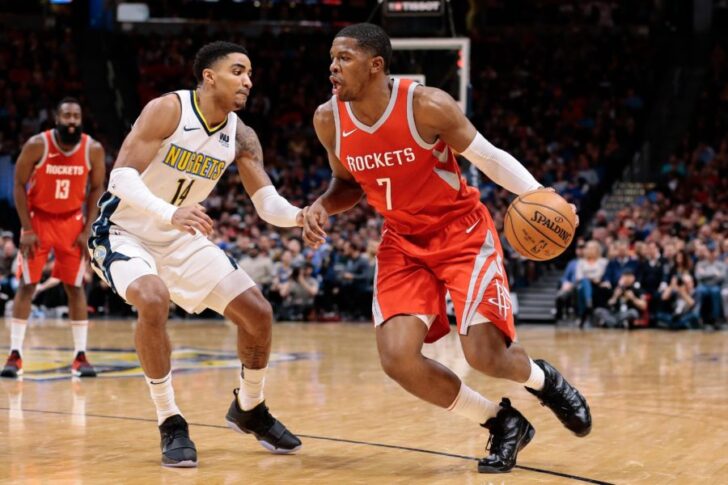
x,y
210,53
67,100
371,37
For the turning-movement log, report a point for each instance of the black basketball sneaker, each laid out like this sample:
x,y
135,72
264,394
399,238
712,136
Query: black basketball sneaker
x,y
564,400
269,432
178,450
510,432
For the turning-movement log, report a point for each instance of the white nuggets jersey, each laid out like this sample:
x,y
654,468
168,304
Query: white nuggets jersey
x,y
183,172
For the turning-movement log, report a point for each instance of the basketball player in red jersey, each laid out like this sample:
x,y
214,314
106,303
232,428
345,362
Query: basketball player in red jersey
x,y
51,178
394,141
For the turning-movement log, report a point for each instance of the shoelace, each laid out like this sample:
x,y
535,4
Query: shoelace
x,y
174,434
494,442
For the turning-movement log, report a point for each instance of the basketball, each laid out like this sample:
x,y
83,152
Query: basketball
x,y
539,224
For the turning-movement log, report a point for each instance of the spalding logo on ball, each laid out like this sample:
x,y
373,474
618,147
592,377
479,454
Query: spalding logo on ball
x,y
539,224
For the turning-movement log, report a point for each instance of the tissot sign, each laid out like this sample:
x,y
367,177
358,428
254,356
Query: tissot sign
x,y
414,8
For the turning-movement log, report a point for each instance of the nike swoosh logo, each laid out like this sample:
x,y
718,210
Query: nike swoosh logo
x,y
470,229
53,155
190,129
347,133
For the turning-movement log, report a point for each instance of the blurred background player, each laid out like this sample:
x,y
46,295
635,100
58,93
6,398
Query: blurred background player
x,y
57,173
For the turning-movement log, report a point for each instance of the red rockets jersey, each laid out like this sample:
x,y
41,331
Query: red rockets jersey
x,y
58,183
416,186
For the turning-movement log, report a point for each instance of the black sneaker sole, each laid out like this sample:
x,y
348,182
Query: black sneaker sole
x,y
11,373
180,464
83,373
277,451
525,440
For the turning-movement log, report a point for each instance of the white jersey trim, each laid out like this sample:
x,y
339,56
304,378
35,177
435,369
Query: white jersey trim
x,y
382,119
411,119
68,154
45,152
89,140
337,126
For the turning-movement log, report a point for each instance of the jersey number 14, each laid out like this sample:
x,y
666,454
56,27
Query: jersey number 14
x,y
181,194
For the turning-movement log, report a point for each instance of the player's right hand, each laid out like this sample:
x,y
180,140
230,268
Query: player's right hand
x,y
314,218
191,218
28,243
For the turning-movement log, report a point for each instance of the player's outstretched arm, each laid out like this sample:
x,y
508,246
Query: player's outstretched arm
x,y
30,155
269,204
157,121
438,115
343,192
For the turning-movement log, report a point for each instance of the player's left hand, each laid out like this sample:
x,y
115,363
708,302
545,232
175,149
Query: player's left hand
x,y
314,218
82,240
573,208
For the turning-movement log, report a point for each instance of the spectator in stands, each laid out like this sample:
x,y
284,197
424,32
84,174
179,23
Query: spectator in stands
x,y
280,287
294,246
8,281
566,296
617,264
302,293
710,274
652,273
356,278
724,289
589,273
678,308
625,305
681,264
259,267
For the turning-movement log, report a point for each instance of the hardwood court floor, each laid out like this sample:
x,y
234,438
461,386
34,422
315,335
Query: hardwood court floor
x,y
659,402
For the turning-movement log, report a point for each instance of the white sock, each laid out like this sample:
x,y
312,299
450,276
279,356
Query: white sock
x,y
163,396
251,388
536,379
471,405
17,334
80,332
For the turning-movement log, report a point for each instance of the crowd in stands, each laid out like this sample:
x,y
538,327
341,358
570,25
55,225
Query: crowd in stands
x,y
569,126
663,261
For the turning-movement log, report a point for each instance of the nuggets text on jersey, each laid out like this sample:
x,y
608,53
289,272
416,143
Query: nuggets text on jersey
x,y
194,163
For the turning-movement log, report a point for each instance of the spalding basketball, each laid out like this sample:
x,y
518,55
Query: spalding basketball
x,y
539,224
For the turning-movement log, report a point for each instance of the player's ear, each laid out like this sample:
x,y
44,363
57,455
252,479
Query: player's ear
x,y
209,76
377,64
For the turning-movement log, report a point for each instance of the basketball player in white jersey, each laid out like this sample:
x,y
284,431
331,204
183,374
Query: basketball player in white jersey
x,y
149,241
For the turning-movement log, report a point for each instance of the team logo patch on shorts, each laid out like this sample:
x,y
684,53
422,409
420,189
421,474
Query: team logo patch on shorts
x,y
100,255
48,364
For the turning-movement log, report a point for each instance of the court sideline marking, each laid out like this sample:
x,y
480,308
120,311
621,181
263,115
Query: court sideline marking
x,y
326,438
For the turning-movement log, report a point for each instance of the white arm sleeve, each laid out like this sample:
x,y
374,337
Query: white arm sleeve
x,y
127,184
500,166
273,208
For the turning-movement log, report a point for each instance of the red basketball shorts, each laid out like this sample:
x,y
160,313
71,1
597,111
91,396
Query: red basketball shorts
x,y
465,258
59,233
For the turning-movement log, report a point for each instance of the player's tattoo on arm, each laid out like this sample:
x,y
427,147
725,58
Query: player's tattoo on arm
x,y
247,145
249,159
